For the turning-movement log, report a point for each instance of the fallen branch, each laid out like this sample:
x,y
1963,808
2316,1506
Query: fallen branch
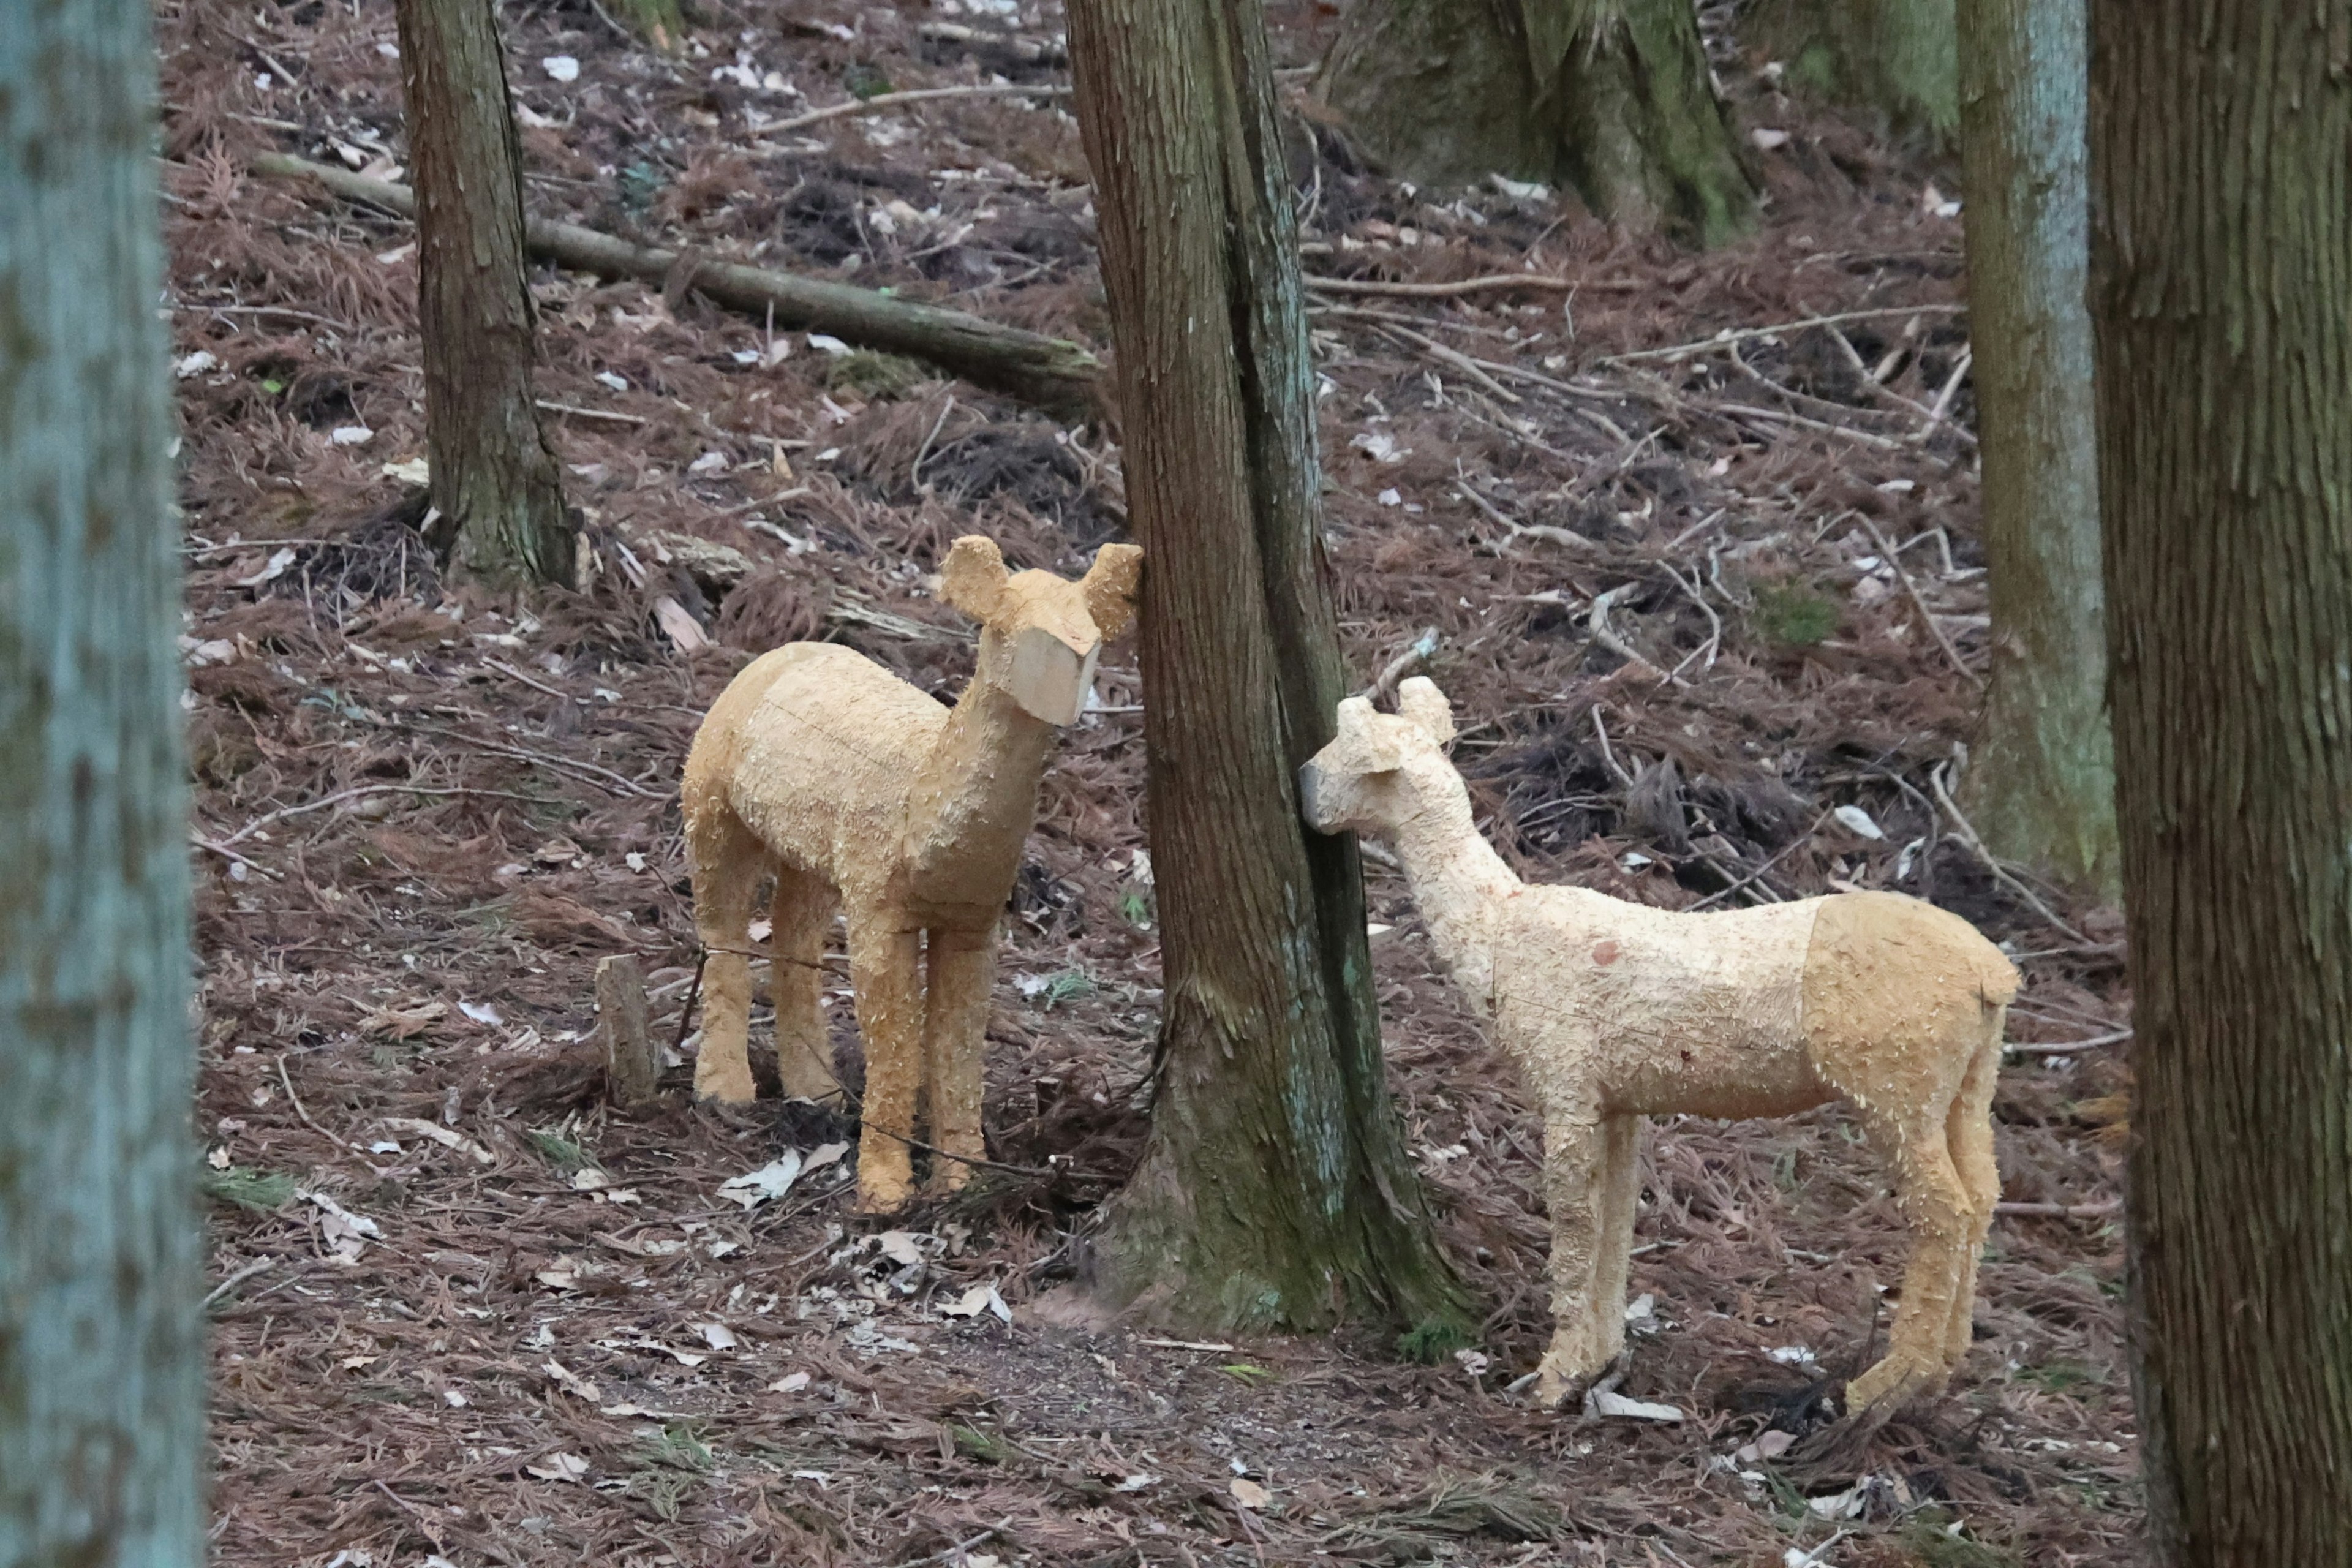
x,y
1705,345
2060,1211
1438,290
882,102
1057,376
2066,1048
1935,627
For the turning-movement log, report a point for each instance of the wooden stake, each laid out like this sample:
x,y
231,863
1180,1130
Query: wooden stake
x,y
630,1070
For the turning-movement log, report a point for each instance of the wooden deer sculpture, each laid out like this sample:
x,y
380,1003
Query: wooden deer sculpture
x,y
1615,1011
854,787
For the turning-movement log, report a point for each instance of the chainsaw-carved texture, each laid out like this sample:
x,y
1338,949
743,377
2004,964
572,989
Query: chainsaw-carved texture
x,y
857,790
1615,1011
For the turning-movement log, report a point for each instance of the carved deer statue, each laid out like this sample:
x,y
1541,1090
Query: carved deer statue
x,y
1615,1011
854,787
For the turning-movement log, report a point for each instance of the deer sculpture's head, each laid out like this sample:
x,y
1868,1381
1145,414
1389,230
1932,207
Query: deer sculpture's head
x,y
1381,768
1039,634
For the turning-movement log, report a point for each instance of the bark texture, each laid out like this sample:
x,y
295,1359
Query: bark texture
x,y
2221,151
1897,58
1276,1192
495,479
2042,786
1055,374
1609,97
101,1368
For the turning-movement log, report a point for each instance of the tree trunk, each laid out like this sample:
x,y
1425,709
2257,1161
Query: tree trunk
x,y
1276,1192
494,480
1609,97
656,20
2219,148
101,1349
2043,785
1897,58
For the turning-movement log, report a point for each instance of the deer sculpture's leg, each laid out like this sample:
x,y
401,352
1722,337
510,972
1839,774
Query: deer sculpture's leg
x,y
1621,1191
1969,1132
801,918
886,972
725,861
1575,1158
1935,1206
962,969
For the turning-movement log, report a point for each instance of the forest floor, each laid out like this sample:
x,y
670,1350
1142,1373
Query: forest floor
x,y
468,1315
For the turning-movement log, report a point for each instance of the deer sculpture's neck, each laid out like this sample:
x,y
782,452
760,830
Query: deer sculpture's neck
x,y
970,805
1459,883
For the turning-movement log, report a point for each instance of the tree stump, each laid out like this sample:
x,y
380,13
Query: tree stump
x,y
630,1067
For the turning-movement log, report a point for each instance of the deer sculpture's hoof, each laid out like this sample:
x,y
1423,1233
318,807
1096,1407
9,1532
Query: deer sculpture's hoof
x,y
1897,1379
734,1087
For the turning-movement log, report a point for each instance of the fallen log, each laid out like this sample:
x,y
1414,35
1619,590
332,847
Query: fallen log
x,y
1051,373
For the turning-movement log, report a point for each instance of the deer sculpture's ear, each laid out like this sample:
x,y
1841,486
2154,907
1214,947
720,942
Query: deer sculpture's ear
x,y
972,577
1109,586
1419,700
1368,748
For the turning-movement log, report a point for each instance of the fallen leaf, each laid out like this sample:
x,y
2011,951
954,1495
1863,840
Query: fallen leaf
x,y
218,1158
1251,1495
588,1178
1135,1483
354,1363
561,1468
275,568
791,1382
1603,1401
481,1013
899,1248
980,1298
718,1336
571,1382
769,1183
350,436
403,1021
685,633
557,851
561,68
1858,821
442,1136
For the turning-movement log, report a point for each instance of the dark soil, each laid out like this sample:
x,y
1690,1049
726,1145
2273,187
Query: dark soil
x,y
423,818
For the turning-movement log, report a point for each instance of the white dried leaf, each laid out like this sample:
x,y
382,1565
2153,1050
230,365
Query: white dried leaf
x,y
271,570
350,436
791,1382
1251,1495
769,1183
480,1012
1604,1402
561,1468
414,471
561,68
1858,820
718,1336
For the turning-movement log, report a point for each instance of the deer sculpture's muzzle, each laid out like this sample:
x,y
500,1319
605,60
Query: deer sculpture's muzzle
x,y
1051,673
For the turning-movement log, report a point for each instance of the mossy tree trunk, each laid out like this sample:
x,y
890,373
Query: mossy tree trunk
x,y
495,479
101,1341
1897,58
2222,156
1609,97
1275,1191
2043,785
